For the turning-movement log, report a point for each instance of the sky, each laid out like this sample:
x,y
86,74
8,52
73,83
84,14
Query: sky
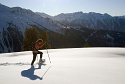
x,y
55,7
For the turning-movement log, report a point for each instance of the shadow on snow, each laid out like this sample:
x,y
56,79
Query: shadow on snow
x,y
30,73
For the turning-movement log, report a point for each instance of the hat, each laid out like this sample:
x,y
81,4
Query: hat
x,y
39,40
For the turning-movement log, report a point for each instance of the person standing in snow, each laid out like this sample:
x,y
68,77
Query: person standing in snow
x,y
35,50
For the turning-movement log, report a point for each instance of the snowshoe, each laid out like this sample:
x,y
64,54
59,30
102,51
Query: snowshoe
x,y
41,61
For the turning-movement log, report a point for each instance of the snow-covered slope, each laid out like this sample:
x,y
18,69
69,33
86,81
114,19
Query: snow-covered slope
x,y
91,20
44,15
123,17
23,18
68,66
68,16
14,21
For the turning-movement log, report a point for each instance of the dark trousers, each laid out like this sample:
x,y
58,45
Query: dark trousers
x,y
34,56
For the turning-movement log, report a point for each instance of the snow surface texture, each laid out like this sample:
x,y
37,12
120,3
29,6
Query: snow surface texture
x,y
69,66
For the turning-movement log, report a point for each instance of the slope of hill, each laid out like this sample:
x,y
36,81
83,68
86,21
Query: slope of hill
x,y
123,17
44,15
23,18
69,66
91,20
14,21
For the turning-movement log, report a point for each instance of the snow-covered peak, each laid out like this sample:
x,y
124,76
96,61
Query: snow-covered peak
x,y
94,16
4,8
23,18
20,10
91,20
68,16
44,15
99,15
80,15
123,17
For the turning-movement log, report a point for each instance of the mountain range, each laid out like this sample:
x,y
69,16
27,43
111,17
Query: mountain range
x,y
81,28
90,20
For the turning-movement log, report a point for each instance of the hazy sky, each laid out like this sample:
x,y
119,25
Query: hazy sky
x,y
54,7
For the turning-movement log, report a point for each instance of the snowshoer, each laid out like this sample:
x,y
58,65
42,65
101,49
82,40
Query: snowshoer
x,y
35,50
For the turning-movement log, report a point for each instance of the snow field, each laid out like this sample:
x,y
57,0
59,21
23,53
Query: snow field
x,y
69,66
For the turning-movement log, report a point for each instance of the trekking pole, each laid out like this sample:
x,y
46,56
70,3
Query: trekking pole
x,y
37,58
48,55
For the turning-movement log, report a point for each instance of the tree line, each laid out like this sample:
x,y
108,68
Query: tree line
x,y
32,35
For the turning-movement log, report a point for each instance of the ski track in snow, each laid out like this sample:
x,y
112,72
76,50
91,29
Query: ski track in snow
x,y
69,66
